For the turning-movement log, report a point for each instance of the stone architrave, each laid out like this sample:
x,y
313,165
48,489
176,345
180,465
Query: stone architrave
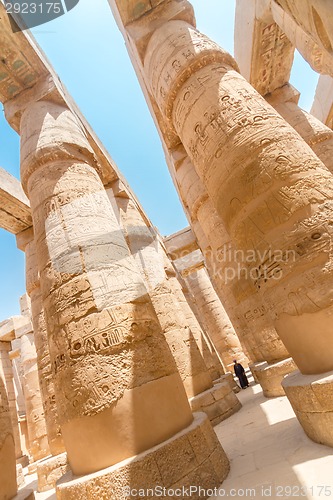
x,y
117,388
8,487
314,17
317,135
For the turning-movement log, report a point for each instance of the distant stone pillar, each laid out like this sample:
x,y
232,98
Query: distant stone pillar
x,y
208,353
38,442
8,487
244,306
42,351
145,250
214,315
148,254
117,388
7,370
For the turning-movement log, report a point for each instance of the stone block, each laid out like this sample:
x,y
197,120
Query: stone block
x,y
206,466
311,399
50,469
270,376
221,403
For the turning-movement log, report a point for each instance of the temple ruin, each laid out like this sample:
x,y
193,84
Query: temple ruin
x,y
120,364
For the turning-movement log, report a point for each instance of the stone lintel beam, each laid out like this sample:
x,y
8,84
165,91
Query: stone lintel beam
x,y
181,243
286,93
322,107
14,327
190,262
24,237
15,214
29,76
320,59
263,52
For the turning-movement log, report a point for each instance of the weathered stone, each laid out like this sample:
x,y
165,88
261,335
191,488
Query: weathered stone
x,y
270,376
50,470
311,399
205,465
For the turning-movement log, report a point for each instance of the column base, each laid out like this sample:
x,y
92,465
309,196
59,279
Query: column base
x,y
311,399
23,460
228,377
25,494
218,403
255,366
20,481
50,469
193,457
270,376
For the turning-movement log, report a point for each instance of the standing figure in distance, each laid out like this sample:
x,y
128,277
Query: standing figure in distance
x,y
240,374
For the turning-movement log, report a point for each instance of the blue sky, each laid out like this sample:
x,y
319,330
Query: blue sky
x,y
88,52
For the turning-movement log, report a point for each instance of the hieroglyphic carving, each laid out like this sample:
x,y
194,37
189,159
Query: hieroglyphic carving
x,y
260,175
100,322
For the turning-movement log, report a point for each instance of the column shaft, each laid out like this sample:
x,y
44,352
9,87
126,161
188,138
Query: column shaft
x,y
272,193
149,257
117,388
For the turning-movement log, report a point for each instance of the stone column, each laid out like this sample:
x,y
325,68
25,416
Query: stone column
x,y
117,389
42,349
148,254
38,442
206,349
268,186
8,487
214,315
244,305
7,370
50,469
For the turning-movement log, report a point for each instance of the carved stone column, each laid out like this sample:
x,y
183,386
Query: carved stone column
x,y
148,254
117,389
50,469
244,306
317,135
7,372
270,189
8,487
208,352
212,311
38,442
